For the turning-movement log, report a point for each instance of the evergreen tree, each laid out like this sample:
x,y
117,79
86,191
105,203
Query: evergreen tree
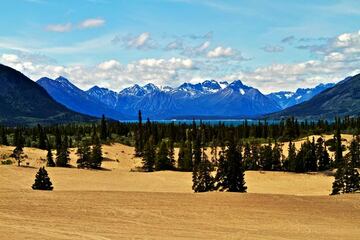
x,y
290,163
149,155
230,173
104,131
3,137
354,154
163,161
266,157
42,181
338,184
84,155
62,154
139,137
351,179
347,179
188,156
96,154
181,157
18,154
276,157
322,155
247,157
197,149
339,160
203,181
255,156
299,165
42,138
171,152
49,158
310,159
58,142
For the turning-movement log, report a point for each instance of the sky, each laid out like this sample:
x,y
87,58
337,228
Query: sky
x,y
271,45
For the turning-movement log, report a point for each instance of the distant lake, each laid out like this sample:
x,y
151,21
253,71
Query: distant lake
x,y
227,122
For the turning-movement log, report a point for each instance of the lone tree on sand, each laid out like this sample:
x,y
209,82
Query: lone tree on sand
x,y
42,181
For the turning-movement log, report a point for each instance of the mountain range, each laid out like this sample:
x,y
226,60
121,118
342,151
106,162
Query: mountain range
x,y
22,101
202,100
341,100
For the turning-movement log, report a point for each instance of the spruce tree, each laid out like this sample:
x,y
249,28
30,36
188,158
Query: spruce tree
x,y
290,164
49,158
139,141
62,155
181,157
149,155
18,154
266,157
322,155
339,160
3,137
96,154
247,157
338,185
197,148
163,161
42,138
171,151
84,155
351,179
276,157
203,181
230,173
103,131
58,141
42,181
255,157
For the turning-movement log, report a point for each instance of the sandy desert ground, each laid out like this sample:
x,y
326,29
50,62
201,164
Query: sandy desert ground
x,y
117,203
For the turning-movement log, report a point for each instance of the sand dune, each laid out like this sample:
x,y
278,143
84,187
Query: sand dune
x,y
117,203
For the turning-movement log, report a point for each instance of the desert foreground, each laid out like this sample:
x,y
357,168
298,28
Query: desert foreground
x,y
117,203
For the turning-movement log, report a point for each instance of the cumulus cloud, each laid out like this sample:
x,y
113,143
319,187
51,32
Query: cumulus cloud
x,y
220,51
59,27
92,23
111,74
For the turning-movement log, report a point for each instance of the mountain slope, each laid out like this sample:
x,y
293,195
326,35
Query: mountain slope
x,y
22,101
341,100
66,93
288,99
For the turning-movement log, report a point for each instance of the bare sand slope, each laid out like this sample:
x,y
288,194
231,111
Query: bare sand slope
x,y
116,203
135,215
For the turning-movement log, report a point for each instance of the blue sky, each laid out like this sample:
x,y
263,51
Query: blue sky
x,y
272,45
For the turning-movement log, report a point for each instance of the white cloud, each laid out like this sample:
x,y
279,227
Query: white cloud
x,y
139,41
220,51
111,74
107,65
92,23
142,41
59,27
87,23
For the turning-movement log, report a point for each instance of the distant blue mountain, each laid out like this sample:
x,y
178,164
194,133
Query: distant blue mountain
x,y
207,99
287,99
66,93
